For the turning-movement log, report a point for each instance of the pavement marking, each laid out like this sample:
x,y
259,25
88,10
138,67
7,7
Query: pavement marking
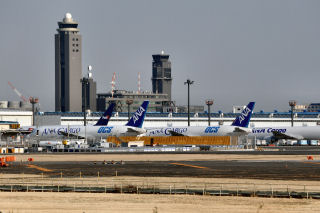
x,y
39,168
189,165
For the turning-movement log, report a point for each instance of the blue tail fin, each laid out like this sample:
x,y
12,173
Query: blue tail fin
x,y
244,119
103,121
138,117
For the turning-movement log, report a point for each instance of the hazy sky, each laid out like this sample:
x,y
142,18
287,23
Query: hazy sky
x,y
236,51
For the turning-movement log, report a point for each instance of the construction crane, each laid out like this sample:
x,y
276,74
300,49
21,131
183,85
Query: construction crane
x,y
17,92
32,100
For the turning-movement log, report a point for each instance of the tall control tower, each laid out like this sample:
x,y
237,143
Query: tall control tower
x,y
161,74
68,71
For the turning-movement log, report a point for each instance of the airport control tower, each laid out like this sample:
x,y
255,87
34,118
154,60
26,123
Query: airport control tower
x,y
161,74
68,71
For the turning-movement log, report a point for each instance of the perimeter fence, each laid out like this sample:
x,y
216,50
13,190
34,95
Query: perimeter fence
x,y
149,186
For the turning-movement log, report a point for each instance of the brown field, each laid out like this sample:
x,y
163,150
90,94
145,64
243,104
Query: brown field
x,y
85,202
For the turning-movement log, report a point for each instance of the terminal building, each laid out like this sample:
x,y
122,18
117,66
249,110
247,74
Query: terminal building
x,y
160,98
121,98
157,119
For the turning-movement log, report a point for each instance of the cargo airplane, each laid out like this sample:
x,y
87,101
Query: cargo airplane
x,y
103,121
132,128
238,127
272,134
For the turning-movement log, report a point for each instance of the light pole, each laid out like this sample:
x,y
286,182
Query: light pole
x,y
189,82
292,104
129,102
33,101
209,102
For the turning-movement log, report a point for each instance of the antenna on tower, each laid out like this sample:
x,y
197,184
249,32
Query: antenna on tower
x,y
113,82
89,71
139,83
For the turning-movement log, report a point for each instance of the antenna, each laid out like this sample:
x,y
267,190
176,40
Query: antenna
x,y
89,71
113,82
17,92
139,83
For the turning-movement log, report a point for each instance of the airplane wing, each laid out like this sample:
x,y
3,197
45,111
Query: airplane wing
x,y
70,135
21,131
241,130
173,133
25,131
136,130
279,135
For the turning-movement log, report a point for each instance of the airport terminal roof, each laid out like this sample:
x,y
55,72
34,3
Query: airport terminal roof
x,y
260,114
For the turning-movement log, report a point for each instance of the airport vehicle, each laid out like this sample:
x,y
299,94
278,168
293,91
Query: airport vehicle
x,y
132,128
238,127
49,143
61,142
273,134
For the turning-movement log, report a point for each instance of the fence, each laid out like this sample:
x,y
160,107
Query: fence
x,y
118,185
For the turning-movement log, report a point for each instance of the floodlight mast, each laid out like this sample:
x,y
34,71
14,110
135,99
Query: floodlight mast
x,y
188,82
209,102
292,104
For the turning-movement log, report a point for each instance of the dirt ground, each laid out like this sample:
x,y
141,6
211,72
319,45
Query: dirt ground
x,y
85,202
157,157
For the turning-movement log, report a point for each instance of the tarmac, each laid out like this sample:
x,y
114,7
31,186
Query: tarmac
x,y
249,169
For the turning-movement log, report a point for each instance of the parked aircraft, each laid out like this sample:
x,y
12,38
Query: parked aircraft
x,y
132,128
103,121
237,128
272,134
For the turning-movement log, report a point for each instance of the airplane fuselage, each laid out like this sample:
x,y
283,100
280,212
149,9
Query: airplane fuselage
x,y
194,131
299,133
89,132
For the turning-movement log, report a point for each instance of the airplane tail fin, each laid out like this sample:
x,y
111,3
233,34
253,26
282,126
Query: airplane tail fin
x,y
138,117
244,118
103,121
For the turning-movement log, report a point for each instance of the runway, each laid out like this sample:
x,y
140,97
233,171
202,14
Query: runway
x,y
248,169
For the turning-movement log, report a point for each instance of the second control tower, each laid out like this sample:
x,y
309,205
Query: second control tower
x,y
161,74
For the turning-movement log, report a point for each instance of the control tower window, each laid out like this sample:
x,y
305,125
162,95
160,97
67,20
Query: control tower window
x,y
167,73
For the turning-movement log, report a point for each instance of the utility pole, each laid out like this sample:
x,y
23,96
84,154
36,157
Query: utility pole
x,y
209,102
33,101
292,104
129,102
189,82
